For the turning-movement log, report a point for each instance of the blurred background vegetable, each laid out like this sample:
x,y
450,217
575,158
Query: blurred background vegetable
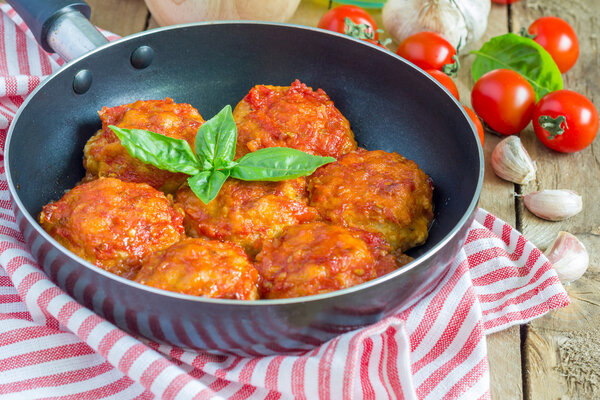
x,y
459,21
168,12
428,50
350,20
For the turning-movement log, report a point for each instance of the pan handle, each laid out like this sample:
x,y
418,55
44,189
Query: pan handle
x,y
60,26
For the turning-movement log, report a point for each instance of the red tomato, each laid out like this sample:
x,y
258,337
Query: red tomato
x,y
428,50
376,42
476,122
558,38
573,133
504,1
444,80
504,99
335,20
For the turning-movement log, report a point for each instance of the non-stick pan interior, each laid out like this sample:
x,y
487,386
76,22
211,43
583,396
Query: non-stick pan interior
x,y
390,104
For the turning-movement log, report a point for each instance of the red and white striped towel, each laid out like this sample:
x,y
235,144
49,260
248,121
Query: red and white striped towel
x,y
51,347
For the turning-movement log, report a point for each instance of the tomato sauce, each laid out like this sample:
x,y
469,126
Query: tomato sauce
x,y
292,116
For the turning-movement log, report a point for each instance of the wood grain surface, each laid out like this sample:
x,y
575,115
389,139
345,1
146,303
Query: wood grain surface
x,y
557,356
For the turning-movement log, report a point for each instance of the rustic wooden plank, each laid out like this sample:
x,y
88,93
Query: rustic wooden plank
x,y
122,17
497,197
562,349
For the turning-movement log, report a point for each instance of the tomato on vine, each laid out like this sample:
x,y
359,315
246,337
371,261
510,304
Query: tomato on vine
x,y
428,50
350,20
565,121
558,38
504,99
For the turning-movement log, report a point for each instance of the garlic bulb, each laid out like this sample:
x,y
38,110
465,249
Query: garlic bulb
x,y
568,257
553,205
510,161
459,21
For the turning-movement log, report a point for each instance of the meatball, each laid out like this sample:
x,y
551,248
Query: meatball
x,y
291,116
317,257
202,267
113,224
378,192
105,156
246,213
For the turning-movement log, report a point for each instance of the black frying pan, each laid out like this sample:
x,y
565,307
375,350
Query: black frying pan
x,y
391,105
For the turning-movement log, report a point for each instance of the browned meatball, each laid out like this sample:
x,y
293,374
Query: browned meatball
x,y
378,192
246,213
317,257
291,116
105,156
202,267
113,224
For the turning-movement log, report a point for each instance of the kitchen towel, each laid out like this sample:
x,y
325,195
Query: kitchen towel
x,y
53,348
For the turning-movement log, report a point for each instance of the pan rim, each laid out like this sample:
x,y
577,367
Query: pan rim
x,y
429,254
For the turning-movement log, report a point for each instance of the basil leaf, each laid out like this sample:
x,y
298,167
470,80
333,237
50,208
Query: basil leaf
x,y
206,184
216,139
277,164
164,152
511,51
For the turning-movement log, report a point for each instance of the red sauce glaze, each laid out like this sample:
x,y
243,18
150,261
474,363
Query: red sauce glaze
x,y
346,224
202,267
292,116
113,224
104,155
317,257
246,213
378,192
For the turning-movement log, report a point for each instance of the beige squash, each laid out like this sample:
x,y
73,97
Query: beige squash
x,y
169,12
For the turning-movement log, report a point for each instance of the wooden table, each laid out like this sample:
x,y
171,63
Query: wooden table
x,y
556,356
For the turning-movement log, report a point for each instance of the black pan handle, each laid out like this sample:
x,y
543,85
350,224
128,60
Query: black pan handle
x,y
60,26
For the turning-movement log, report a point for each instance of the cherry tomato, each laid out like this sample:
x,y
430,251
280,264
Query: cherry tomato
x,y
558,38
476,122
376,42
444,80
504,1
565,121
428,50
335,20
504,99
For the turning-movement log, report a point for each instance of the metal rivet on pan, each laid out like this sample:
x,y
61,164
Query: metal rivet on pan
x,y
142,57
82,81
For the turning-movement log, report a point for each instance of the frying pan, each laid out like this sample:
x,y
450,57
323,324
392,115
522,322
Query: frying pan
x,y
391,105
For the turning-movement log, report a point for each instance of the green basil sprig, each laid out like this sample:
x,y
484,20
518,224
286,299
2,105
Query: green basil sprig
x,y
213,163
521,54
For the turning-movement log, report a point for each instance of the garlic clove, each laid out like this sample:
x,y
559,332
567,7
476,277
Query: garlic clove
x,y
553,205
510,161
568,257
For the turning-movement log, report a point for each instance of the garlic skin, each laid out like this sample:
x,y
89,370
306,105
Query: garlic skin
x,y
554,205
568,256
511,162
459,21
